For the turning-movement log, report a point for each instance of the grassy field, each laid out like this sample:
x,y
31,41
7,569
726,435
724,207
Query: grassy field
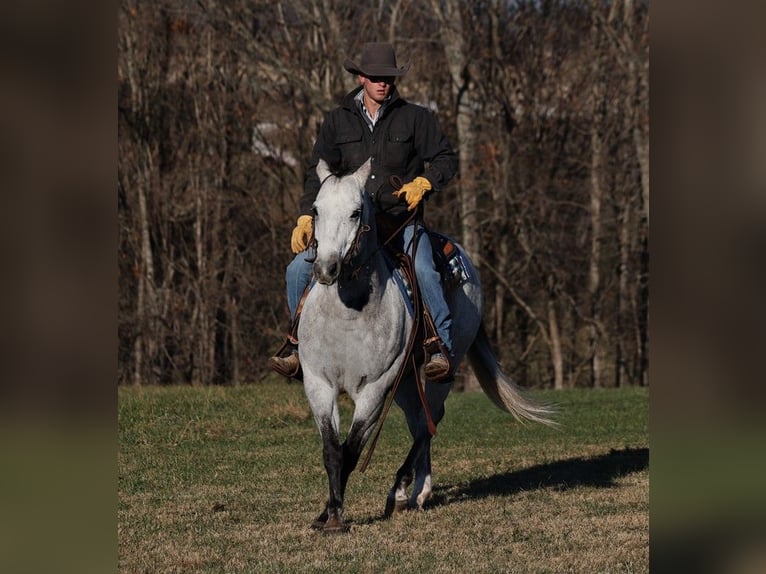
x,y
228,479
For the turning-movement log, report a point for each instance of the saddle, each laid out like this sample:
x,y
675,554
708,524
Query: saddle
x,y
448,261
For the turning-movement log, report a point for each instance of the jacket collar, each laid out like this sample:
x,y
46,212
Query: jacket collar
x,y
348,100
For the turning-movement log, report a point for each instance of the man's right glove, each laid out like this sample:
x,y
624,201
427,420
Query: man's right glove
x,y
302,233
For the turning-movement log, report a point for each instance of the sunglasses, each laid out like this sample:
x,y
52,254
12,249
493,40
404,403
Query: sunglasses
x,y
379,79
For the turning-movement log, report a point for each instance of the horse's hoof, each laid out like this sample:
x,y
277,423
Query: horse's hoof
x,y
330,522
335,524
319,522
395,507
335,528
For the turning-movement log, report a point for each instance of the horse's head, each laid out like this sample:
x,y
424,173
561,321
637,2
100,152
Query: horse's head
x,y
342,213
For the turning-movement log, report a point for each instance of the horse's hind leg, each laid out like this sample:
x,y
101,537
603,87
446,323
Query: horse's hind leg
x,y
397,499
397,496
422,491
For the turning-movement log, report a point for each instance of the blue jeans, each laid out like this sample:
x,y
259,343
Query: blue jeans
x,y
429,282
298,276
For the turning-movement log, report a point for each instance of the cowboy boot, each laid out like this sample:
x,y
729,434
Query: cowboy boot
x,y
289,364
438,369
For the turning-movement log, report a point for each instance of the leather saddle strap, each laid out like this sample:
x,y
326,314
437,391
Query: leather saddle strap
x,y
292,335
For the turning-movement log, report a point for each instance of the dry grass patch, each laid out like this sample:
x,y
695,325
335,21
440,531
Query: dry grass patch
x,y
229,480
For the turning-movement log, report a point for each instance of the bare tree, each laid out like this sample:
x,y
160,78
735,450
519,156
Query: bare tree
x,y
450,18
547,104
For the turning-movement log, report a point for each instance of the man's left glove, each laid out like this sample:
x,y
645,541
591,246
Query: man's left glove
x,y
413,192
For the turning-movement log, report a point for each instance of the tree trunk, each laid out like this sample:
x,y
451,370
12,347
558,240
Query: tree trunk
x,y
145,346
201,374
456,52
641,142
557,356
598,122
594,277
448,14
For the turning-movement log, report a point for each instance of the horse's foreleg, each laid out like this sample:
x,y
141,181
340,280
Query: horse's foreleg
x,y
340,460
352,449
322,398
331,519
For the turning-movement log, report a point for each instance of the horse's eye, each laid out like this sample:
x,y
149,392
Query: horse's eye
x,y
356,213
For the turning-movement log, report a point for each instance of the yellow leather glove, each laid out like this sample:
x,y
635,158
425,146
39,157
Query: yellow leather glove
x,y
414,191
302,233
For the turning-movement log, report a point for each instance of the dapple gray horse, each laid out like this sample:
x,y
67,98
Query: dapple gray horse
x,y
353,332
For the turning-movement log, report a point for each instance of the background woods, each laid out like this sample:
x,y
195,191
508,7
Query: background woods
x,y
547,103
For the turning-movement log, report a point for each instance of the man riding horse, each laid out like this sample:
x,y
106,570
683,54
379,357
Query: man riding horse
x,y
405,143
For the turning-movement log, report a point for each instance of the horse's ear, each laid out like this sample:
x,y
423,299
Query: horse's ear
x,y
363,172
323,170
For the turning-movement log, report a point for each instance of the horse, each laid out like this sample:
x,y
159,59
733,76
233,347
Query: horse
x,y
353,333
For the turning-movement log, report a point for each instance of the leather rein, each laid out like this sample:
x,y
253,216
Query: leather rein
x,y
408,267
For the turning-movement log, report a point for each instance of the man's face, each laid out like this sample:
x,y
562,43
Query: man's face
x,y
377,88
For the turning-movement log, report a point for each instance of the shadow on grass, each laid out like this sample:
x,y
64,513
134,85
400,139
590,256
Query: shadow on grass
x,y
599,471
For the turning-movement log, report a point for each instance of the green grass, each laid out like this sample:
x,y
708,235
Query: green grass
x,y
228,479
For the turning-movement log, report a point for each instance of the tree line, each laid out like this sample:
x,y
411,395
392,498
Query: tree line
x,y
546,103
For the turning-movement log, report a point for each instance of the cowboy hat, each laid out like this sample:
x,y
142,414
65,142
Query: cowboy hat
x,y
378,59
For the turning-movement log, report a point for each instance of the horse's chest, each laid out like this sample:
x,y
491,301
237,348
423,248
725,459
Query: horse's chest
x,y
351,341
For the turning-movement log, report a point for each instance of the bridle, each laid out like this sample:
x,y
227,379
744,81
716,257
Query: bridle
x,y
363,228
353,251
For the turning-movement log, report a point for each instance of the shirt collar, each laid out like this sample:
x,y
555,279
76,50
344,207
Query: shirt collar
x,y
371,120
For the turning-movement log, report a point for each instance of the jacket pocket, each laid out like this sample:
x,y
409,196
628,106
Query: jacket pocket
x,y
348,136
352,148
398,149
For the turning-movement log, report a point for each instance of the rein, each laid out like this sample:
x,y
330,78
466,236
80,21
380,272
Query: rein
x,y
396,183
408,264
380,246
354,250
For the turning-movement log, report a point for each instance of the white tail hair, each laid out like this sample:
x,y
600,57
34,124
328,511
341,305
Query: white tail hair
x,y
500,389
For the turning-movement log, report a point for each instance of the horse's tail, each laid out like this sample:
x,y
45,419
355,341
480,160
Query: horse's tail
x,y
500,389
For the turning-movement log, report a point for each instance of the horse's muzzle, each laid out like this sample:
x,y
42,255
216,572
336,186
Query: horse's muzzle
x,y
327,271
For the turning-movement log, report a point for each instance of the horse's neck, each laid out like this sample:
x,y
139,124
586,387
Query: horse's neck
x,y
365,285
